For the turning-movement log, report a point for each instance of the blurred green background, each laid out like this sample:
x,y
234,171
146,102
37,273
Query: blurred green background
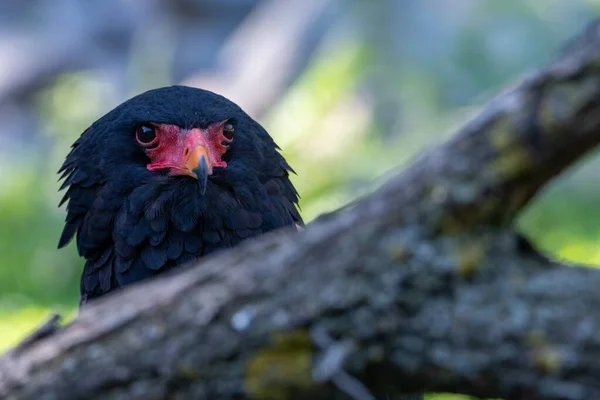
x,y
349,89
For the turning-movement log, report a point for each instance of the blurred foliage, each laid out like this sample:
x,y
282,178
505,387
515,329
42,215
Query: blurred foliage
x,y
329,127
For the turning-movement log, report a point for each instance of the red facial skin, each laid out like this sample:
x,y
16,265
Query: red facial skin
x,y
180,150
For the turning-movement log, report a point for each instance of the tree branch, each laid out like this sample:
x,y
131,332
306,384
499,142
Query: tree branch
x,y
422,286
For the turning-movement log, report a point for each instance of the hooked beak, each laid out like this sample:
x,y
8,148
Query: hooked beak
x,y
198,166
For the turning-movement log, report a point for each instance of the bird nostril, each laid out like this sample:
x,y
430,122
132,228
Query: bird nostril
x,y
186,152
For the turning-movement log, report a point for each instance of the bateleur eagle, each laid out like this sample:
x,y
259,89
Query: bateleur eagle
x,y
169,176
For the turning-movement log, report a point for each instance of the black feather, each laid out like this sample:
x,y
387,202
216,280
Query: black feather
x,y
154,257
175,245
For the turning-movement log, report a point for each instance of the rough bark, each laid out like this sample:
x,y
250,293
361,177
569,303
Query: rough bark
x,y
421,286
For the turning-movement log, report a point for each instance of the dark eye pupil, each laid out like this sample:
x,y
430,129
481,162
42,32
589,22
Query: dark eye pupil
x,y
146,134
228,130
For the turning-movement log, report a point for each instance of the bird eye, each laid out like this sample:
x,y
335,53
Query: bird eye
x,y
228,130
145,134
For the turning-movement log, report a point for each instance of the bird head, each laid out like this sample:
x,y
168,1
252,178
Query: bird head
x,y
167,167
192,152
177,130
